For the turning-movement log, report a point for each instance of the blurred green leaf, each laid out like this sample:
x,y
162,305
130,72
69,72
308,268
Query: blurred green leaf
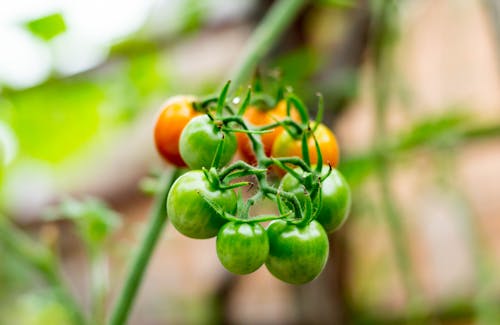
x,y
435,129
94,219
297,65
338,3
144,73
193,15
47,27
38,308
54,121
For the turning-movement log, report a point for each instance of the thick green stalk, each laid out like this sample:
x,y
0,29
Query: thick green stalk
x,y
140,261
264,37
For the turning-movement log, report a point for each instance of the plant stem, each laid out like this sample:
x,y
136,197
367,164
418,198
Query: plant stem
x,y
492,9
264,37
140,261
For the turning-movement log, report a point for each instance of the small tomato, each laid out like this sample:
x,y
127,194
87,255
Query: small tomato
x,y
286,146
258,117
199,141
336,198
173,117
188,211
297,254
242,247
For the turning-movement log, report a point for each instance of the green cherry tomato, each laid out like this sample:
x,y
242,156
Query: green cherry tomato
x,y
190,214
336,197
297,254
242,247
199,140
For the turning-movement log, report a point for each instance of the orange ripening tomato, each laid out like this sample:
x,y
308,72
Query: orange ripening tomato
x,y
174,116
286,146
259,117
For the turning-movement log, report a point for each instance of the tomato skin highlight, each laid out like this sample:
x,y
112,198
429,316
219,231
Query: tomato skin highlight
x,y
242,247
286,146
188,211
199,140
336,198
259,117
297,255
172,119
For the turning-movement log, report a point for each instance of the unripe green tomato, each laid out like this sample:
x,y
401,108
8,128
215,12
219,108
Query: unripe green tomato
x,y
336,198
242,247
188,211
199,140
297,254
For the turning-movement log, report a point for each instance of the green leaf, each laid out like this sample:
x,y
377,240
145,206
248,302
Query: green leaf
x,y
47,27
53,121
94,219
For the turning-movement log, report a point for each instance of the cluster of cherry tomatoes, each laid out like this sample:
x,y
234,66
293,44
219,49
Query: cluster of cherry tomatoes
x,y
277,141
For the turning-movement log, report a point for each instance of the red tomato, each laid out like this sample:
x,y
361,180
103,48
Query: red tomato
x,y
259,117
174,116
286,146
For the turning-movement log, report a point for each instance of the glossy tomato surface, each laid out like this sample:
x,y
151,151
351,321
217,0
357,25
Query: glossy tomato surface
x,y
172,119
336,198
258,117
297,255
242,247
199,141
286,146
188,211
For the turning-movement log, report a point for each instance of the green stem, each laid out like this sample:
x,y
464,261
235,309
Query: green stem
x,y
140,261
272,26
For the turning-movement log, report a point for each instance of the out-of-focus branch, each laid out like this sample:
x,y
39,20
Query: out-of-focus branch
x,y
362,164
270,29
382,46
493,11
456,312
44,262
338,81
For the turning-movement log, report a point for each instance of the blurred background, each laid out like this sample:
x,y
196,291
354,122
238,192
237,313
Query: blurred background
x,y
412,91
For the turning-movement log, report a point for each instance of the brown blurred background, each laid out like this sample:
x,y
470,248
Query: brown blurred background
x,y
412,91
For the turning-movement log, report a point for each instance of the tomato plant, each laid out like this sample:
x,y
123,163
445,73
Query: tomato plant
x,y
199,141
189,212
335,197
297,254
242,247
286,146
172,119
311,199
258,116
